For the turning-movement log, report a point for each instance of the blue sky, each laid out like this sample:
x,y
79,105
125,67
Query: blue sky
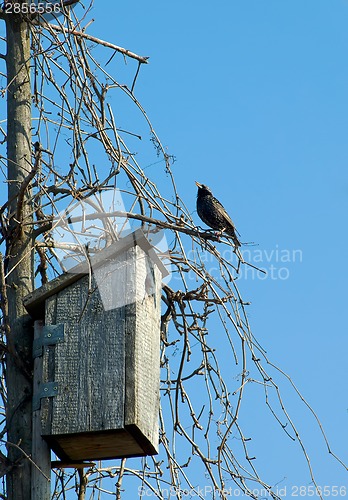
x,y
251,98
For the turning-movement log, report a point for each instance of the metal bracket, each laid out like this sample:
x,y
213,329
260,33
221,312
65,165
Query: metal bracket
x,y
51,335
47,390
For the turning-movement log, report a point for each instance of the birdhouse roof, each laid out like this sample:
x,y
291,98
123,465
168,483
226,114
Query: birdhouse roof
x,y
35,301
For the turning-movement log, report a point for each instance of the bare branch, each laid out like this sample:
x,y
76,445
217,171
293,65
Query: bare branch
x,y
90,38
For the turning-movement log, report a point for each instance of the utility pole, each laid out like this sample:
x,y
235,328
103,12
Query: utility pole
x,y
19,257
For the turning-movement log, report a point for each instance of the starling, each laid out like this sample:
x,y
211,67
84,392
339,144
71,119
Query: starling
x,y
213,214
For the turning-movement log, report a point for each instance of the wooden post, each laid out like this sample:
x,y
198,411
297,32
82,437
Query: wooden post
x,y
19,257
41,455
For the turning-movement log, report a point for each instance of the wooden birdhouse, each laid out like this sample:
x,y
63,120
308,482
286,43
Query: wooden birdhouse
x,y
98,389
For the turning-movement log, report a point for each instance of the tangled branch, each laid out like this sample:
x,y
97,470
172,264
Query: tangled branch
x,y
81,157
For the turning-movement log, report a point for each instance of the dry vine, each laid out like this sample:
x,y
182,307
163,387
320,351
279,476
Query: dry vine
x,y
82,148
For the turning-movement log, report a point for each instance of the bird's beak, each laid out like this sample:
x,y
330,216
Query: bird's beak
x,y
198,184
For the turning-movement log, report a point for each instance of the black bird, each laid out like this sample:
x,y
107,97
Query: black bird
x,y
213,214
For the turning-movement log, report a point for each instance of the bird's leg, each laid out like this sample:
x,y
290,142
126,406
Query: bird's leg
x,y
219,234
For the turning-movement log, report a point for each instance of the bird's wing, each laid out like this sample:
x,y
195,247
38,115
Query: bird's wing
x,y
224,214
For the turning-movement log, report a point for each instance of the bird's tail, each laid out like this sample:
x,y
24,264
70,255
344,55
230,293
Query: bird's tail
x,y
236,241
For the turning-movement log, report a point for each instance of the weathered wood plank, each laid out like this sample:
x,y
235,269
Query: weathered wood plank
x,y
89,364
41,453
143,350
